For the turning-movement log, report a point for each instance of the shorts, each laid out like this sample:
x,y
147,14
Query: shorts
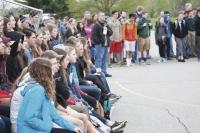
x,y
129,45
115,47
144,44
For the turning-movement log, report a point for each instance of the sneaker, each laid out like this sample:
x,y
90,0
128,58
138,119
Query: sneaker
x,y
109,66
164,60
108,75
147,63
118,125
112,95
160,61
120,131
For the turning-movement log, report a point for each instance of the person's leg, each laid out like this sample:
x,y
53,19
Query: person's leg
x,y
97,81
168,48
93,91
184,42
148,46
163,50
160,49
79,107
5,125
185,47
140,48
99,56
132,49
79,123
104,59
90,100
127,47
92,54
90,128
198,47
60,130
194,44
134,54
118,51
178,47
145,50
171,47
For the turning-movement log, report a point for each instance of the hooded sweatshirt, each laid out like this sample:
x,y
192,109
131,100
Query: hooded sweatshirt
x,y
17,100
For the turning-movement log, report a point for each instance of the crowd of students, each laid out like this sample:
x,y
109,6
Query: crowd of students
x,y
48,82
53,72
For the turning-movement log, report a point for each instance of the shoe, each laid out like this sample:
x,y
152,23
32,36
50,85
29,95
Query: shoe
x,y
160,61
120,131
113,100
109,65
164,61
169,58
108,75
118,125
112,96
182,60
147,63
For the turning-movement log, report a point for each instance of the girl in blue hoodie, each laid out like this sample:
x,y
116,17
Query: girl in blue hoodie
x,y
37,112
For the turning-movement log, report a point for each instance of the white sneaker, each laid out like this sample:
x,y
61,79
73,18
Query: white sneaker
x,y
164,60
160,61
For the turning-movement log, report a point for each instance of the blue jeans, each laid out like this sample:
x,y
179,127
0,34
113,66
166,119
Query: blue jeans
x,y
92,91
104,80
198,46
5,124
92,54
101,57
134,54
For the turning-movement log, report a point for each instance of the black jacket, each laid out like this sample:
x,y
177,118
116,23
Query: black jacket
x,y
80,67
197,26
180,33
97,34
62,91
160,31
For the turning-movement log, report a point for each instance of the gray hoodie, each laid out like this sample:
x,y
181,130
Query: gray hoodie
x,y
17,99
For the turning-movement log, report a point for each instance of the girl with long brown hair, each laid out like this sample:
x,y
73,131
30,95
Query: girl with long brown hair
x,y
72,114
37,112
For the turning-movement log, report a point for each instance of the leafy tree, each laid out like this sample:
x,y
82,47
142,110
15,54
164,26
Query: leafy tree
x,y
60,7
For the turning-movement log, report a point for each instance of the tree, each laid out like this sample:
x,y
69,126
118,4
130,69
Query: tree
x,y
105,5
59,7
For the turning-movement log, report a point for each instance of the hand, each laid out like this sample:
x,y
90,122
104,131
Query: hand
x,y
90,82
98,70
163,37
77,130
7,50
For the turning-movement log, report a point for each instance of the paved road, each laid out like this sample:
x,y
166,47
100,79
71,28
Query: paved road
x,y
159,98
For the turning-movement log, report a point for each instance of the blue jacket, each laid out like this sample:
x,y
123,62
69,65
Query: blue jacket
x,y
37,113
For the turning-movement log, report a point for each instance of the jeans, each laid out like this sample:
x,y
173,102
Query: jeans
x,y
92,91
92,54
101,56
104,80
5,125
134,54
96,79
